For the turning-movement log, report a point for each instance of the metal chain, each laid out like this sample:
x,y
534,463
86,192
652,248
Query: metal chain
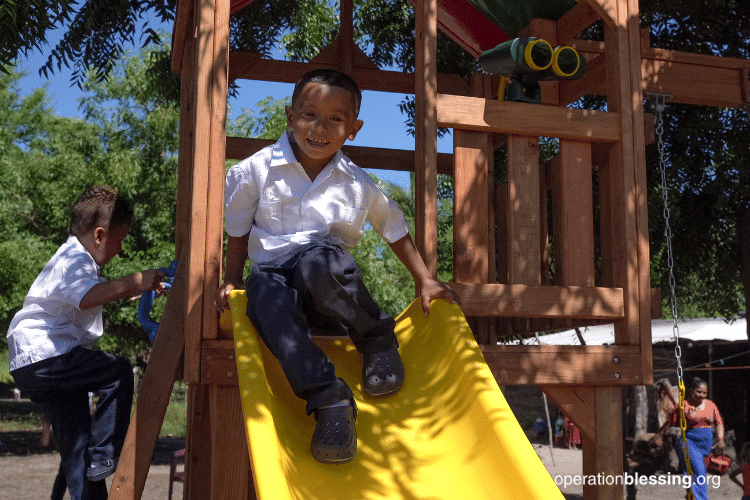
x,y
659,105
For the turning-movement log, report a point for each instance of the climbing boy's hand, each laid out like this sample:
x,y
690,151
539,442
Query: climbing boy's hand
x,y
433,289
221,297
151,279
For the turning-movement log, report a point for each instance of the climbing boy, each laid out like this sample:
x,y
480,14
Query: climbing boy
x,y
296,209
50,343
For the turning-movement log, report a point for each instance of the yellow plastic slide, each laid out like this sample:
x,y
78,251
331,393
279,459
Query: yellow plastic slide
x,y
447,434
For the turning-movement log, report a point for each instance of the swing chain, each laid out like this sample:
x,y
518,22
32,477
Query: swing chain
x,y
659,103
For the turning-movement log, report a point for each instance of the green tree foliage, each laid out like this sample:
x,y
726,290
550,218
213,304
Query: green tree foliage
x,y
708,163
129,140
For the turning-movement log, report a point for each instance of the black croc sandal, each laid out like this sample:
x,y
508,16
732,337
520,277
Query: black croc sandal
x,y
382,372
334,440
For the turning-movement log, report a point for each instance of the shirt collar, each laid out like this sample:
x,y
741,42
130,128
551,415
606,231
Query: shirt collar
x,y
283,154
76,243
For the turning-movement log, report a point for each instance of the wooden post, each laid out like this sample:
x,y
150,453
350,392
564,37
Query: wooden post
x,y
197,484
230,461
425,122
602,456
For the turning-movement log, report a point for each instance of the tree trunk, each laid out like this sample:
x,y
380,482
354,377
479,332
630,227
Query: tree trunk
x,y
641,411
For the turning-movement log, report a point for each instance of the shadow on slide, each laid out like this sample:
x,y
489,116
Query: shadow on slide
x,y
447,434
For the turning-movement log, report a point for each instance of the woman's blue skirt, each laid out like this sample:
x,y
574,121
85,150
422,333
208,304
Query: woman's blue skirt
x,y
700,441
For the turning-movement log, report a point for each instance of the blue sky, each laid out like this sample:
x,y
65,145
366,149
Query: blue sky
x,y
384,124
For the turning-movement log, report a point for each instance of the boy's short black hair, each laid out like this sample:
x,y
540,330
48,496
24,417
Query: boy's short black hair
x,y
332,78
99,206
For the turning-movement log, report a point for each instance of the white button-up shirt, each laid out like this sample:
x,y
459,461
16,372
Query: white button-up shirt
x,y
50,322
270,196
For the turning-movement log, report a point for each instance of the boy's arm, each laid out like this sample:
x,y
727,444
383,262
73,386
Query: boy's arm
x,y
236,255
428,288
124,287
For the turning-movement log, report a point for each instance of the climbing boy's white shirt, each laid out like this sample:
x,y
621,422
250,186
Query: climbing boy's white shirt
x,y
50,323
270,196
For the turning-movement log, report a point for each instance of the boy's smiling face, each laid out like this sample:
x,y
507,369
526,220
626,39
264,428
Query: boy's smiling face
x,y
322,119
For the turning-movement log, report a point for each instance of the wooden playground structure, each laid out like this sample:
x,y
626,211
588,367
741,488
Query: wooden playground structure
x,y
501,232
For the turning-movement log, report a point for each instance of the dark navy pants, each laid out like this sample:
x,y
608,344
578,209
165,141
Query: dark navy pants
x,y
319,287
60,386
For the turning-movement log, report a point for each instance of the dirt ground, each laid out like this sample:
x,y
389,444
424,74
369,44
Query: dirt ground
x,y
30,474
567,467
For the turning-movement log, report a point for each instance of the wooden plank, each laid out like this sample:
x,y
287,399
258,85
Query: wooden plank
x,y
691,83
640,193
195,260
523,210
602,457
218,366
181,33
470,239
239,148
230,464
496,299
426,133
185,155
519,118
573,215
521,365
214,195
622,179
688,78
151,405
197,484
576,403
252,66
607,10
573,22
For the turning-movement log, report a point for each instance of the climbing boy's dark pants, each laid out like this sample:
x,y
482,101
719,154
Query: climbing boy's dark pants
x,y
61,386
319,287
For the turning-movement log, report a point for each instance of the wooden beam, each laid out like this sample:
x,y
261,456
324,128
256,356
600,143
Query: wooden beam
x,y
523,216
197,484
563,365
519,118
426,132
573,22
230,460
181,32
194,261
688,78
252,66
153,398
603,456
607,10
573,215
214,196
239,148
470,254
496,299
576,403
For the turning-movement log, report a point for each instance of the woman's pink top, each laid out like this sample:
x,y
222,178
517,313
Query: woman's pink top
x,y
707,416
